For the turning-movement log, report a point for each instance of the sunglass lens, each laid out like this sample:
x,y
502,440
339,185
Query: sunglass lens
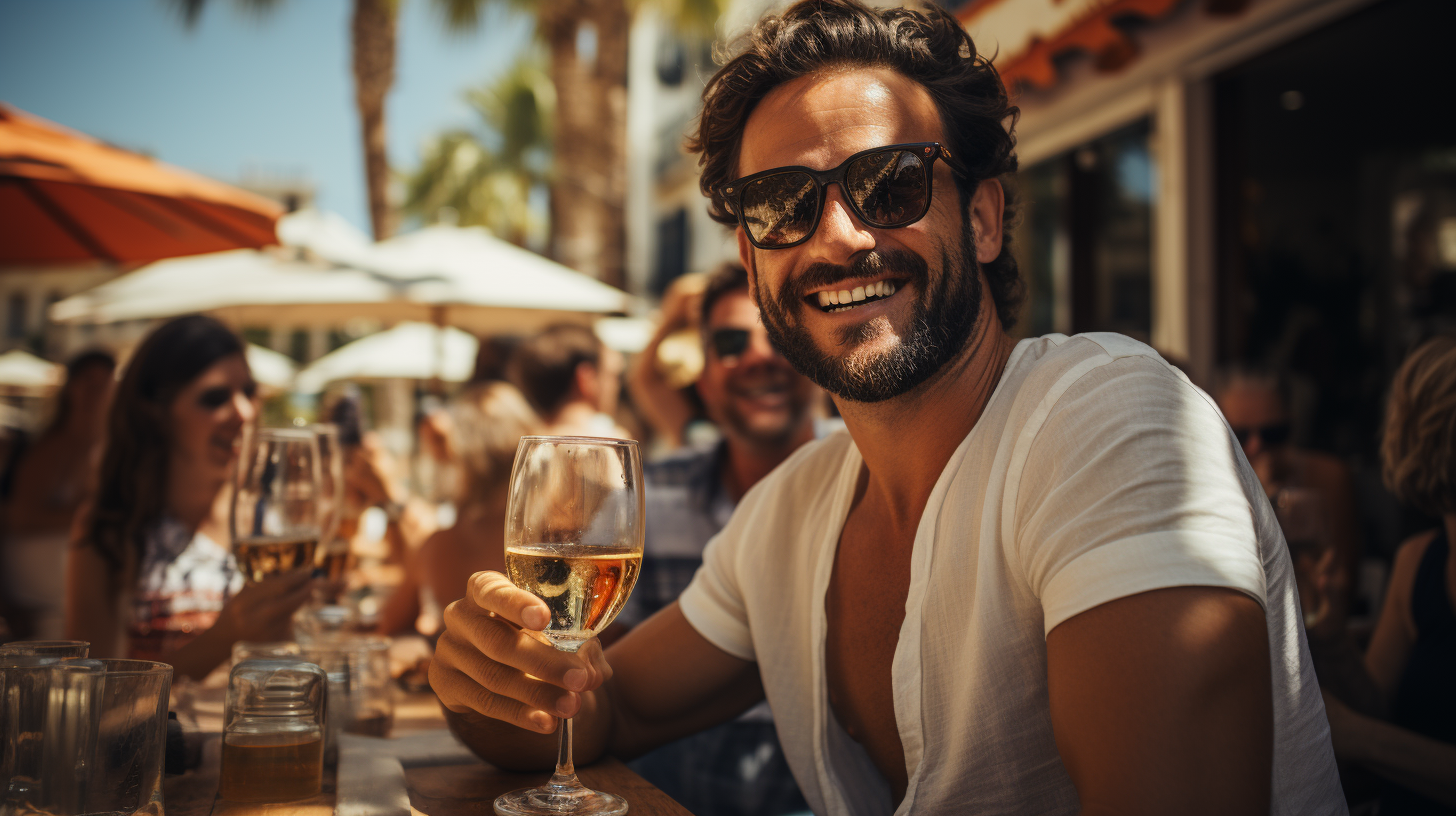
x,y
780,209
730,342
889,187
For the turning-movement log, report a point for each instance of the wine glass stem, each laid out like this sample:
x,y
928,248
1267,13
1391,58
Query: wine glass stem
x,y
565,776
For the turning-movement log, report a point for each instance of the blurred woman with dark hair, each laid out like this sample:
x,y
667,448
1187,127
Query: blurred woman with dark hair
x,y
51,479
151,572
1412,654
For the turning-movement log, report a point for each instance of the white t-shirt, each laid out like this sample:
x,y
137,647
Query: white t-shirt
x,y
1097,471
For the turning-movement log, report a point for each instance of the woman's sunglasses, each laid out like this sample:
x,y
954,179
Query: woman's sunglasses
x,y
886,187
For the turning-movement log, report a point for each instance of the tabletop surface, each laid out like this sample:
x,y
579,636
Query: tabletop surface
x,y
420,770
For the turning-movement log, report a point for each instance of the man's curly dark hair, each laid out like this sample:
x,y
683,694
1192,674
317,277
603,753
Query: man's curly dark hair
x,y
929,47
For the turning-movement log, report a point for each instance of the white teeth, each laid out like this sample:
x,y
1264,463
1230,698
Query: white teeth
x,y
824,300
879,287
845,296
858,293
890,286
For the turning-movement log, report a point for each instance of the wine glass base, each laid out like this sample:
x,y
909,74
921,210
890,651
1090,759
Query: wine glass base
x,y
549,801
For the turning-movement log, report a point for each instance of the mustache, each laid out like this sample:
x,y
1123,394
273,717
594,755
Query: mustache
x,y
875,262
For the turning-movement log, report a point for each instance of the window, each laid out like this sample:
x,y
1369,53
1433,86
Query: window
x,y
1085,242
672,250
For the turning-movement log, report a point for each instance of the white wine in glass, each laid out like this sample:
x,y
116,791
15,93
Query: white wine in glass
x,y
275,507
574,540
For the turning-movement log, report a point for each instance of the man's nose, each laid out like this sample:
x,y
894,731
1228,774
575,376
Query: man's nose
x,y
841,235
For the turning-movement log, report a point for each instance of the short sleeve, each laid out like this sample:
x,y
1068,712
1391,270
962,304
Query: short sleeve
x,y
1132,483
713,603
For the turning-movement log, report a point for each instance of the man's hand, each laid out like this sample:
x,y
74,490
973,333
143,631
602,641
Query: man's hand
x,y
492,661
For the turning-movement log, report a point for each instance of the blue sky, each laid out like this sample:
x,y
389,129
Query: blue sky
x,y
240,96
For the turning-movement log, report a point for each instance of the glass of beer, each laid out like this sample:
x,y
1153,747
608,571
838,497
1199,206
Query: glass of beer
x,y
275,516
574,540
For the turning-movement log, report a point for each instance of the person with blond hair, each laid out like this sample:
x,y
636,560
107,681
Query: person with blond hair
x,y
486,425
1412,654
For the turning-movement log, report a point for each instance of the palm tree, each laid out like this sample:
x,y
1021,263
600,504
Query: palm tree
x,y
587,44
487,176
372,37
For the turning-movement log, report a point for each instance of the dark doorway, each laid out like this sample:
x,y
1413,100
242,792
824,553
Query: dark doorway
x,y
1336,199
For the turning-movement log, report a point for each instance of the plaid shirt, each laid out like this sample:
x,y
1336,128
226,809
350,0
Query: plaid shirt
x,y
686,506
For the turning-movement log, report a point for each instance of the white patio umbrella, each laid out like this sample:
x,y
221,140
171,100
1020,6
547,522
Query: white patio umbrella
x,y
472,279
441,275
324,234
412,351
271,368
246,285
23,370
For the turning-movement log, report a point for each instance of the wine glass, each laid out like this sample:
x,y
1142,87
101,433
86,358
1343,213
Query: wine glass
x,y
332,557
574,540
275,513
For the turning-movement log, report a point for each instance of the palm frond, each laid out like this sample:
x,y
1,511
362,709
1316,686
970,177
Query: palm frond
x,y
490,175
693,17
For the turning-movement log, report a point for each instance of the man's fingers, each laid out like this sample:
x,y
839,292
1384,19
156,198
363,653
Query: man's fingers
x,y
460,694
499,680
597,659
495,593
499,641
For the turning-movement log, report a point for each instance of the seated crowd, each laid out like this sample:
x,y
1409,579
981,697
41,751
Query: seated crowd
x,y
818,623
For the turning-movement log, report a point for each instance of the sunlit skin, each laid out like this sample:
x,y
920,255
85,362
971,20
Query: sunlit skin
x,y
1160,701
759,401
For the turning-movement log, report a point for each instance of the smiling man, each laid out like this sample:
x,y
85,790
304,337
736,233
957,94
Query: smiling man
x,y
1033,577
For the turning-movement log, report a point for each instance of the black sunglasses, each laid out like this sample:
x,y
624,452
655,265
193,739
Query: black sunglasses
x,y
886,187
1271,435
728,343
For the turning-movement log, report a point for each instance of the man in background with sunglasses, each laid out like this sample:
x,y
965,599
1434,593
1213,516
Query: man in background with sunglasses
x,y
1256,405
1033,577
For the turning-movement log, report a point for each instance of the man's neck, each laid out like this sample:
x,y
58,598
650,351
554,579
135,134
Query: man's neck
x,y
748,461
576,415
906,441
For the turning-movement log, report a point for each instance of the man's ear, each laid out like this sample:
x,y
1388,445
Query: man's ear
x,y
745,256
988,204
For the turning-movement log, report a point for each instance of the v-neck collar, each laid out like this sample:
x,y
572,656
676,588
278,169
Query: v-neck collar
x,y
906,666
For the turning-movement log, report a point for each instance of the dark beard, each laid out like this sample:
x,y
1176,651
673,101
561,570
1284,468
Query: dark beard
x,y
940,325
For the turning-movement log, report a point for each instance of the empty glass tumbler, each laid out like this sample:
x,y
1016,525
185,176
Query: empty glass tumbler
x,y
105,737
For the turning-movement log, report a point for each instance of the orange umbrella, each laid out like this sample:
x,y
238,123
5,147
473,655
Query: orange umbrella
x,y
66,197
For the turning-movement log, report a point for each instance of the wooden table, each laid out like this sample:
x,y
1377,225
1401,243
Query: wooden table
x,y
455,789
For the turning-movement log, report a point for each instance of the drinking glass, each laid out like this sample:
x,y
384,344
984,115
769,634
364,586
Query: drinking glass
x,y
273,737
332,557
574,540
24,690
275,517
105,735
